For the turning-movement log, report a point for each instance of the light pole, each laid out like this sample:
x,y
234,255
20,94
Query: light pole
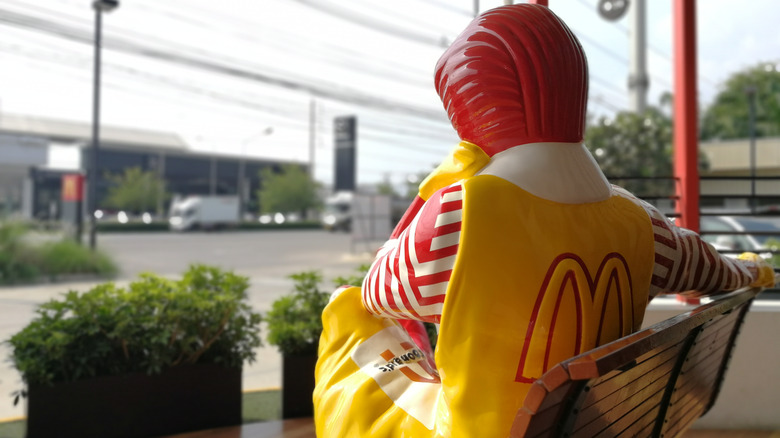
x,y
99,6
241,183
638,81
751,95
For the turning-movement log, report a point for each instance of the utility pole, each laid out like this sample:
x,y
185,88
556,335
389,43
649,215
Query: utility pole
x,y
99,6
312,135
751,95
638,81
241,183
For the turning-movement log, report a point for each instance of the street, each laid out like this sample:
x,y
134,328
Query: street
x,y
266,257
251,253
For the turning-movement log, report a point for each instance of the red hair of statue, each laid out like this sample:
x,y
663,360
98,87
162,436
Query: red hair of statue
x,y
515,75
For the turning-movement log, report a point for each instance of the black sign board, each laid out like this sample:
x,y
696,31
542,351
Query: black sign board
x,y
345,131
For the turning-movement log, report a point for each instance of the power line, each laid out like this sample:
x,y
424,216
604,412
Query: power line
x,y
72,60
607,84
392,14
377,25
662,54
331,91
293,43
449,7
605,103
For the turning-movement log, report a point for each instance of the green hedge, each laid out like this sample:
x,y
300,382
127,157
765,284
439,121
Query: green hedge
x,y
151,325
24,259
159,226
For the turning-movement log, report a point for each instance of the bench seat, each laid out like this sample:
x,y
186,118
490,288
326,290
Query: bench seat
x,y
652,383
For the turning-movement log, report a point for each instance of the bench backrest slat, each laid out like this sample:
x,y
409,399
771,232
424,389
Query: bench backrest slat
x,y
653,382
696,388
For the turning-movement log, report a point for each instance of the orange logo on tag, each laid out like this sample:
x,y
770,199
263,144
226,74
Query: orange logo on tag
x,y
416,388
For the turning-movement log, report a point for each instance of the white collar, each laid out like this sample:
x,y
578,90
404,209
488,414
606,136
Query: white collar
x,y
559,172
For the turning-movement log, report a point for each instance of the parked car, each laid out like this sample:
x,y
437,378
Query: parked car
x,y
736,243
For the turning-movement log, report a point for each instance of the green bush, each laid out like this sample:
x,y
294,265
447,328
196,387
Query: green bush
x,y
69,257
17,259
774,245
355,279
22,261
132,227
295,321
151,325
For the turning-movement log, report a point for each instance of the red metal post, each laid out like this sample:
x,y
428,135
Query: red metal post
x,y
686,131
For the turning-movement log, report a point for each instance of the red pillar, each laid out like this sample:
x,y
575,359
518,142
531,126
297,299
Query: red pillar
x,y
686,130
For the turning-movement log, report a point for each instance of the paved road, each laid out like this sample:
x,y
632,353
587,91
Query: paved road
x,y
266,257
250,253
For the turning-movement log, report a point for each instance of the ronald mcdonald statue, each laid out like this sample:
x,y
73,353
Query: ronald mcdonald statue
x,y
517,247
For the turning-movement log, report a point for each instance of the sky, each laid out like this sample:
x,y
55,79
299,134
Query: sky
x,y
267,78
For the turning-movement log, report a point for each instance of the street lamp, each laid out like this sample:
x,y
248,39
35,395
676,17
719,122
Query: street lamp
x,y
99,6
751,95
241,183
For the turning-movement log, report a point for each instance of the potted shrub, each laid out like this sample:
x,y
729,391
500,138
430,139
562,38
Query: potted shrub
x,y
158,357
295,326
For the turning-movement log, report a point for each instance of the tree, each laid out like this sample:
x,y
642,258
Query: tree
x,y
413,182
632,149
632,145
728,115
386,188
290,189
136,190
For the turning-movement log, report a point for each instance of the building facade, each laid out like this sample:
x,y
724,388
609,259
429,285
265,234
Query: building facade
x,y
30,182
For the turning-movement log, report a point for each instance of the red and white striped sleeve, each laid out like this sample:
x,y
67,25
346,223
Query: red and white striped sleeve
x,y
409,277
684,262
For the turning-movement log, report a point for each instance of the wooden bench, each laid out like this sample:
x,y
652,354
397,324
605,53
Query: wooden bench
x,y
653,383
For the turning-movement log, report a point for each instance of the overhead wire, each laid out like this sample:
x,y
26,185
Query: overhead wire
x,y
232,99
344,55
73,60
653,48
374,24
446,5
124,45
52,28
294,86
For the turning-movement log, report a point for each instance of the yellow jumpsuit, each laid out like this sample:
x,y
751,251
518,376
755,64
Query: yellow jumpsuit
x,y
534,282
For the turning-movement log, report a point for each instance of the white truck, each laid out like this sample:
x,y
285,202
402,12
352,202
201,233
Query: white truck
x,y
338,212
204,212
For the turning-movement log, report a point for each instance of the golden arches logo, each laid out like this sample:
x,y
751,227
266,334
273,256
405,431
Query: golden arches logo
x,y
603,301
